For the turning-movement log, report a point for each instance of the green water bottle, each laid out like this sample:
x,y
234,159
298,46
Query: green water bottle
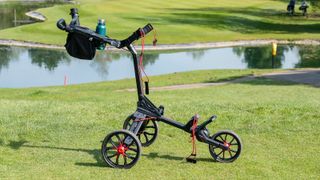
x,y
102,30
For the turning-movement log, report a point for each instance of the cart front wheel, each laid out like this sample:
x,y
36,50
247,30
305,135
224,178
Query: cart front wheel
x,y
121,149
230,139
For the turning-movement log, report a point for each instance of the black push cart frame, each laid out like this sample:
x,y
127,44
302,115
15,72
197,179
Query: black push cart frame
x,y
145,108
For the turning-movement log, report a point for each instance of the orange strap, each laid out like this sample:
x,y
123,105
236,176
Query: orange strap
x,y
194,126
141,55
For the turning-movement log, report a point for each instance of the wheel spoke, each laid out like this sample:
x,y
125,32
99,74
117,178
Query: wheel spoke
x,y
129,156
221,138
118,137
147,139
232,140
151,134
117,159
112,143
225,137
223,154
111,156
220,152
230,154
233,151
125,160
234,144
132,149
109,148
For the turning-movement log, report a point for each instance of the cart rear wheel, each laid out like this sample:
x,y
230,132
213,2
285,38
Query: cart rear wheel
x,y
121,149
148,132
229,139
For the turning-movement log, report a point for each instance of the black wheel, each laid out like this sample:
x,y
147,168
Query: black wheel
x,y
148,132
121,149
230,139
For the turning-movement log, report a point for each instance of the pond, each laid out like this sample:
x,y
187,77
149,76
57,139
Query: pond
x,y
13,13
29,67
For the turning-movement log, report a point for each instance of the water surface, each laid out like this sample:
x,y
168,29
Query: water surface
x,y
30,67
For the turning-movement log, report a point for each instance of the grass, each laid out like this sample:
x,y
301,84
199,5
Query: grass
x,y
55,132
177,22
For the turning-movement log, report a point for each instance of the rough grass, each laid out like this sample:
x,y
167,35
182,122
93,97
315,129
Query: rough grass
x,y
177,21
56,132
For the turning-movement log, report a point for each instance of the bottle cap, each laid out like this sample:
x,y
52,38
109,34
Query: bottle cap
x,y
101,21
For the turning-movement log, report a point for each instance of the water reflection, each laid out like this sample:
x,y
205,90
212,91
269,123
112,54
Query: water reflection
x,y
150,58
197,55
26,67
49,59
309,57
261,57
101,61
5,57
8,55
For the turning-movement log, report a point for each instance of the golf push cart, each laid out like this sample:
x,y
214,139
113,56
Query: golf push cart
x,y
122,148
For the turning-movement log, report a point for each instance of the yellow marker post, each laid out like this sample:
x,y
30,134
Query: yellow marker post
x,y
274,52
274,49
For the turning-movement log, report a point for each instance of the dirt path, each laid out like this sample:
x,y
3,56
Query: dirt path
x,y
195,85
309,76
172,46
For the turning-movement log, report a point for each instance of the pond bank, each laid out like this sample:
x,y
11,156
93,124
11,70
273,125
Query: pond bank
x,y
174,46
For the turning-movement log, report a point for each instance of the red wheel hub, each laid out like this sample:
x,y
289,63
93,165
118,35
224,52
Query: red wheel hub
x,y
227,144
121,149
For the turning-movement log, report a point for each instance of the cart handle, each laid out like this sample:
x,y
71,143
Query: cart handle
x,y
74,27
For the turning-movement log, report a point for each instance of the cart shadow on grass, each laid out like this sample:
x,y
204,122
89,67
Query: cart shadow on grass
x,y
16,145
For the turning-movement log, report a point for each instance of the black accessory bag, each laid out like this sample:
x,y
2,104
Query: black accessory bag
x,y
80,46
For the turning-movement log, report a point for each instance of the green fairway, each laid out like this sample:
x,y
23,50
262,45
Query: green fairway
x,y
55,132
177,21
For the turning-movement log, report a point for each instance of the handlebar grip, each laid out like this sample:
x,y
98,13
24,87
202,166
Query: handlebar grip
x,y
61,24
146,29
136,35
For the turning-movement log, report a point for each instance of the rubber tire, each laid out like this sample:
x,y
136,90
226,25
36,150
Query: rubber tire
x,y
133,136
125,126
218,159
